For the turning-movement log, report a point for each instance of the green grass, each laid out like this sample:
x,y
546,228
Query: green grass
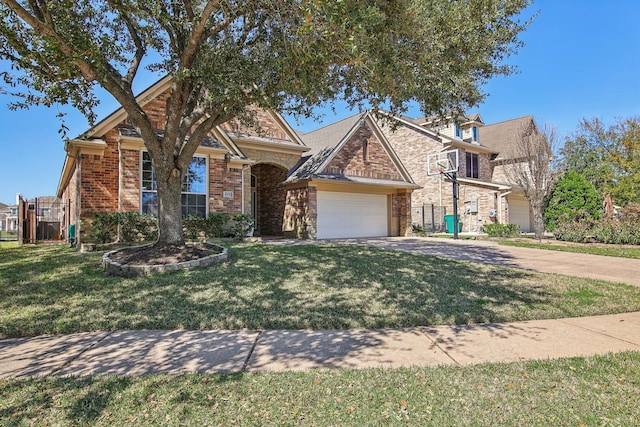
x,y
622,251
54,289
593,391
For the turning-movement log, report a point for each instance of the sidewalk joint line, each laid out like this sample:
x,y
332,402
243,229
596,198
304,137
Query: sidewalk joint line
x,y
598,332
421,329
253,347
77,356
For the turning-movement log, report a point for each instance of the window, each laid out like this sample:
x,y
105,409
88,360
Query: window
x,y
194,187
458,131
472,165
475,134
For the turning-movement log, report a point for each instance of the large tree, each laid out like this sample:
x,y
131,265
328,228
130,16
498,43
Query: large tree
x,y
607,156
223,55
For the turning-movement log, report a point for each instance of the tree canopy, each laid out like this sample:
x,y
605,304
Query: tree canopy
x,y
223,55
607,156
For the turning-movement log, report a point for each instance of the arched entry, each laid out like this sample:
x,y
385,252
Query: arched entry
x,y
268,197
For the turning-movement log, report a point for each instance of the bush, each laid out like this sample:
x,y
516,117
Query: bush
x,y
572,198
135,227
418,230
501,230
104,227
624,230
240,225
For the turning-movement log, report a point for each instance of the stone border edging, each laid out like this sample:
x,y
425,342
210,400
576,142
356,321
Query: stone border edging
x,y
134,270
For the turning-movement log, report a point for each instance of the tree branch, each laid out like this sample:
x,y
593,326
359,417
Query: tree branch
x,y
137,41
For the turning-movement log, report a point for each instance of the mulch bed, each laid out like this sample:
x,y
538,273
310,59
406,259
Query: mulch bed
x,y
162,254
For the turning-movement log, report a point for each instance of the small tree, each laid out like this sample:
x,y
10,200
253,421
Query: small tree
x,y
529,166
572,198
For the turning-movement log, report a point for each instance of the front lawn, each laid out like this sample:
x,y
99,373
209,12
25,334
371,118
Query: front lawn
x,y
593,391
54,289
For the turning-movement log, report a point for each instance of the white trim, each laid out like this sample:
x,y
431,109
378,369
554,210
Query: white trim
x,y
265,144
146,96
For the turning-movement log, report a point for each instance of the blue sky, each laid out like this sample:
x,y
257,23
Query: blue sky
x,y
581,59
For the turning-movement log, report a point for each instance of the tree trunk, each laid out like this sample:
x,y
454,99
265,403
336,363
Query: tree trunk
x,y
538,222
170,208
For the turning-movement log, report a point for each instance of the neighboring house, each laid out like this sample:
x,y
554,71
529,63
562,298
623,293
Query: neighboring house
x,y
8,218
4,212
289,188
485,195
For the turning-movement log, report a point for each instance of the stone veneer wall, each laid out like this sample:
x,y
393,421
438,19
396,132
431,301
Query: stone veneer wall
x,y
401,214
296,213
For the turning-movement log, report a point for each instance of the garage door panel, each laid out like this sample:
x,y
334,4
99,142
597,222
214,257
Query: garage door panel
x,y
519,214
343,215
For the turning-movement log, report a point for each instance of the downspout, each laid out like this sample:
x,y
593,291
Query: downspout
x,y
77,196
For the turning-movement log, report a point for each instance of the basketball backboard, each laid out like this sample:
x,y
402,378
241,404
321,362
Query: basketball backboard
x,y
442,162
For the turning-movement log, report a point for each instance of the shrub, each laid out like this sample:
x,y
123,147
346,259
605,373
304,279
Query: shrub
x,y
624,230
104,227
501,230
572,198
573,230
240,226
135,227
418,230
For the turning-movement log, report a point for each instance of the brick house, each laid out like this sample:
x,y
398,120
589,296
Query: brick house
x,y
485,195
288,187
352,183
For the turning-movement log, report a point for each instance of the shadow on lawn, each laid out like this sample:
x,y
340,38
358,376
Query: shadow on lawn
x,y
264,287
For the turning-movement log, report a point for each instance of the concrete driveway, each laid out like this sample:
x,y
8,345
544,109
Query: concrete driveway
x,y
612,269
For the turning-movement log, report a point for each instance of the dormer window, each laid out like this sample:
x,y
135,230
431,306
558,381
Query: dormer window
x,y
458,131
476,136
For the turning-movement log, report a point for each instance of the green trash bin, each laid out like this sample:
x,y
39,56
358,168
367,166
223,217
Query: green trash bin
x,y
448,220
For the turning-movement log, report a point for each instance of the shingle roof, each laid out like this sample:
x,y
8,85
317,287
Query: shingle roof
x,y
130,131
503,137
331,135
322,142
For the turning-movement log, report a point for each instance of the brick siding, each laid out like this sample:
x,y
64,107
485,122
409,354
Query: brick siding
x,y
363,156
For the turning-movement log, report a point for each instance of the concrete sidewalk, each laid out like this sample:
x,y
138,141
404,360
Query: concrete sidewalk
x,y
135,353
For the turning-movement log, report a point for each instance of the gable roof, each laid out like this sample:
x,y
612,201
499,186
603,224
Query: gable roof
x,y
326,142
502,137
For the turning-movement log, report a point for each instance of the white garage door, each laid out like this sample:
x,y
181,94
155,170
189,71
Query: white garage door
x,y
519,213
351,215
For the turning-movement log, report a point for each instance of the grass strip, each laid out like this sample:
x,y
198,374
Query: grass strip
x,y
621,251
599,390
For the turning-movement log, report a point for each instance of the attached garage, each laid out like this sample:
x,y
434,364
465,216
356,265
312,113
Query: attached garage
x,y
345,215
519,213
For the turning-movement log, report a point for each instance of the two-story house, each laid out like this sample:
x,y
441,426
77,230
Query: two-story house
x,y
485,193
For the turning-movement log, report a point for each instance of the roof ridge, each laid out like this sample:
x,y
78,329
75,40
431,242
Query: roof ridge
x,y
360,113
510,120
